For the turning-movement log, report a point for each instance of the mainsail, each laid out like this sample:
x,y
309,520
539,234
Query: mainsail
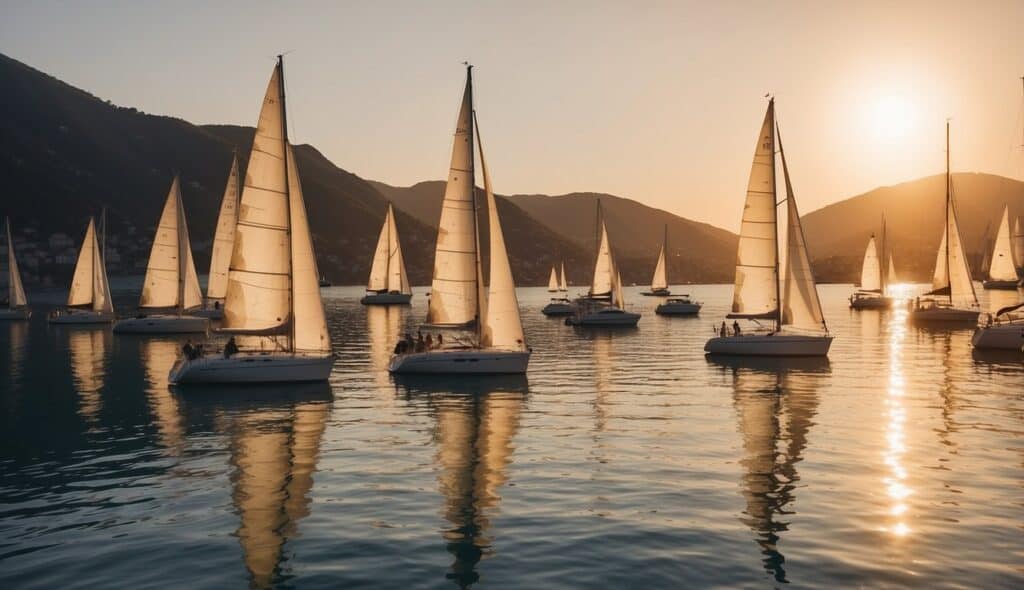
x,y
604,267
871,270
171,280
1018,244
801,305
660,278
1002,267
562,284
755,294
15,289
940,278
89,285
387,273
952,275
454,291
224,237
890,278
553,281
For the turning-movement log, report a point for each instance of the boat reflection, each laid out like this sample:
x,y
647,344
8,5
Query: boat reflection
x,y
157,358
88,352
382,330
775,401
475,419
274,435
18,347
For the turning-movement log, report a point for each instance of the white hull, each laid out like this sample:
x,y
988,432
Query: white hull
x,y
606,318
678,309
15,314
944,315
209,313
252,367
769,345
386,299
162,324
464,362
1000,336
79,317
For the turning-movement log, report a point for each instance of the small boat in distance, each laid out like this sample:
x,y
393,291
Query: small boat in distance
x,y
272,308
1002,268
563,286
558,306
323,281
89,300
17,304
681,305
171,286
223,244
875,274
388,284
760,293
486,332
952,298
553,281
604,305
659,282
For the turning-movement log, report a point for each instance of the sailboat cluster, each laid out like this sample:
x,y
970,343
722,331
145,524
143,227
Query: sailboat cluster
x,y
264,284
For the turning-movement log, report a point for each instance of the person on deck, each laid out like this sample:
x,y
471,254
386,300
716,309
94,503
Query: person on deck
x,y
735,328
231,348
430,342
188,350
722,331
419,341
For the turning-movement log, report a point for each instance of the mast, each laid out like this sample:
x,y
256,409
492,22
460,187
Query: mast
x,y
103,246
946,215
476,209
775,225
597,240
387,269
288,231
883,269
664,247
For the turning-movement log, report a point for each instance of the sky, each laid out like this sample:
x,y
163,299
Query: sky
x,y
660,102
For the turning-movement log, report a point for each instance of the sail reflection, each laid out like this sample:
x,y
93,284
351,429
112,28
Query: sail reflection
x,y
382,328
475,422
157,358
775,401
88,351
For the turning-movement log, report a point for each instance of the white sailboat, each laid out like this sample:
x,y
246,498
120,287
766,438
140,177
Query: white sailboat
x,y
563,286
875,274
952,298
389,283
272,306
559,305
789,301
171,286
495,343
89,300
659,282
223,243
681,305
1002,270
604,305
553,281
17,303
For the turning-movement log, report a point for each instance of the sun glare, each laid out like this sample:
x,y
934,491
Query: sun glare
x,y
891,117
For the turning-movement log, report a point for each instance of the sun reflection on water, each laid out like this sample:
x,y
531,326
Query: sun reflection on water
x,y
896,479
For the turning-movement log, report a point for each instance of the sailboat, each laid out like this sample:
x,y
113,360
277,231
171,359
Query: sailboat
x,y
17,303
388,283
89,300
875,275
659,282
1002,270
223,243
952,298
559,305
681,305
495,343
272,305
604,303
171,286
563,286
553,281
789,301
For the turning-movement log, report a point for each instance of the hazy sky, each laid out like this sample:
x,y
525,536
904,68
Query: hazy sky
x,y
657,101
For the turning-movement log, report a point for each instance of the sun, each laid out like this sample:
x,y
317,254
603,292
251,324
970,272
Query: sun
x,y
891,117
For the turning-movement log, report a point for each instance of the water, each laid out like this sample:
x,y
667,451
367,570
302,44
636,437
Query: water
x,y
622,460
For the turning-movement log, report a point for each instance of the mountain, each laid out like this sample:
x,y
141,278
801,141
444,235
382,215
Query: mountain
x,y
698,252
914,213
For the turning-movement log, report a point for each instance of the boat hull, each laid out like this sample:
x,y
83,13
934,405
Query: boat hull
x,y
657,293
557,309
387,299
623,319
461,362
871,302
162,324
1003,285
79,318
944,315
209,313
22,313
765,345
678,309
999,337
252,367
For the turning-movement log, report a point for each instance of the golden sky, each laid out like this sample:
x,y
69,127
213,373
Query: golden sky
x,y
657,101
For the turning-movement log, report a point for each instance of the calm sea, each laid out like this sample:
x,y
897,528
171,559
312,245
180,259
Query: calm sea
x,y
623,459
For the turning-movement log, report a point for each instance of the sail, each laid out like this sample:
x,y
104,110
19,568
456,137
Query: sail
x,y
801,306
1018,244
961,287
101,299
379,268
503,327
891,277
454,289
224,237
258,296
310,329
553,281
660,279
756,290
171,279
82,282
871,270
15,289
1002,267
398,279
562,284
191,294
940,278
603,282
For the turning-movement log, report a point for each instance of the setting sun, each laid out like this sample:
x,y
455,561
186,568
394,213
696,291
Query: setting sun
x,y
891,117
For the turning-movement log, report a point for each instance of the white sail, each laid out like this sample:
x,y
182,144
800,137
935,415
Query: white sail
x,y
398,279
553,281
660,278
618,298
171,279
1002,267
224,237
562,284
961,287
379,268
940,278
83,281
310,328
755,293
871,270
101,299
258,297
801,306
603,281
1018,244
454,291
503,327
891,277
15,289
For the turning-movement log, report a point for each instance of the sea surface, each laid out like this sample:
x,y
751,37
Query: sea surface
x,y
622,460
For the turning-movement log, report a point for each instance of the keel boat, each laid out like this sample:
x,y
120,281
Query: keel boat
x,y
388,284
1002,268
89,300
875,274
604,305
17,304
